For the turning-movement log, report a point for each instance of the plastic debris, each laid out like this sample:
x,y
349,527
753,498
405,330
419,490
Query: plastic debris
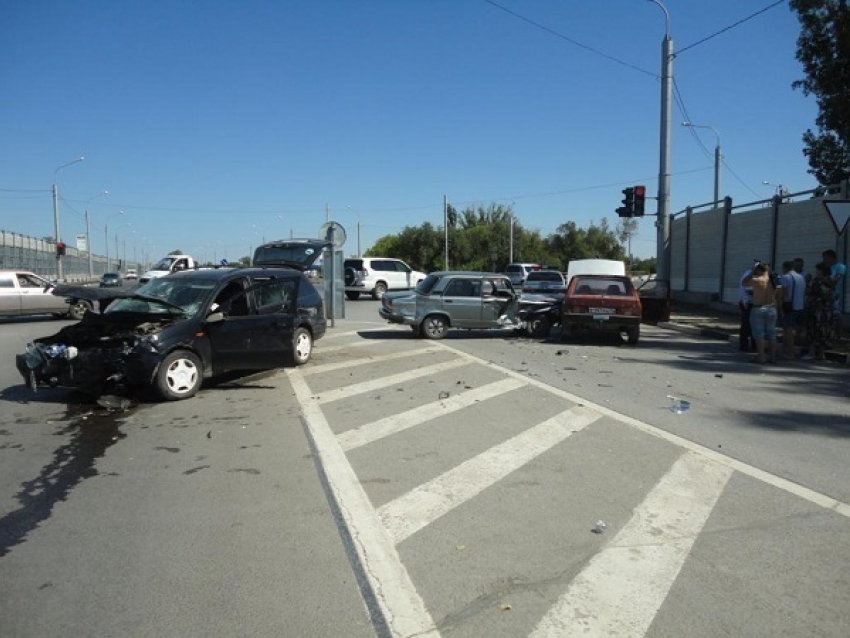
x,y
678,406
506,607
719,376
444,395
600,527
112,402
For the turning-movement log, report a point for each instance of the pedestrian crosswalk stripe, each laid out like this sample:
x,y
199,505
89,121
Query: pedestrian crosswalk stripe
x,y
321,368
396,423
623,586
378,562
384,382
347,346
421,506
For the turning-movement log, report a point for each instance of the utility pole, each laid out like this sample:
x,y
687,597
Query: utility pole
x,y
446,226
663,221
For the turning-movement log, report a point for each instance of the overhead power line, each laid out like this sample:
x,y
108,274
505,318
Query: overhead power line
x,y
731,26
570,40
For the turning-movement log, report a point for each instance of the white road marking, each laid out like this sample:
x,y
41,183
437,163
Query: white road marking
x,y
401,605
623,586
423,505
384,382
805,493
365,434
355,344
353,363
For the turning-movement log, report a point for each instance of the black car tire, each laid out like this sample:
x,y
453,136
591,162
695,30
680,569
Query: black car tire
x,y
302,347
78,308
179,376
352,295
379,290
633,335
540,327
434,327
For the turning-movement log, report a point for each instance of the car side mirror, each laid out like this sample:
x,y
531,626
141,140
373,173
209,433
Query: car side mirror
x,y
216,317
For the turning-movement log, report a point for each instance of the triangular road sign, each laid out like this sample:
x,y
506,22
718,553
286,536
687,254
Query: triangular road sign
x,y
839,212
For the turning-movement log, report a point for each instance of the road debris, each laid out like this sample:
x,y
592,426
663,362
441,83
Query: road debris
x,y
600,527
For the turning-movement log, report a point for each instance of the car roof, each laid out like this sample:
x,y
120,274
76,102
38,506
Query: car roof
x,y
467,273
232,273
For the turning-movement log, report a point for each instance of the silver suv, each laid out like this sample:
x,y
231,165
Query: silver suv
x,y
377,275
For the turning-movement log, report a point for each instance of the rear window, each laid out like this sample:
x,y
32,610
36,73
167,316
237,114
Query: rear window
x,y
357,264
601,286
545,275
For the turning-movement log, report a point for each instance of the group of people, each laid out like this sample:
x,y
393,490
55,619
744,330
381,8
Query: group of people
x,y
807,306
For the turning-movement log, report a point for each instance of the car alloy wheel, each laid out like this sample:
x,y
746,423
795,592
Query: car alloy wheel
x,y
78,309
379,290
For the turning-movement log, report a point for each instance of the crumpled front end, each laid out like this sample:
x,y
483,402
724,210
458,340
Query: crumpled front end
x,y
91,356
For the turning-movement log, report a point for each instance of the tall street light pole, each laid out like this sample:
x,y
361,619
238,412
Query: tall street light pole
x,y
57,237
106,236
359,254
88,232
663,222
718,156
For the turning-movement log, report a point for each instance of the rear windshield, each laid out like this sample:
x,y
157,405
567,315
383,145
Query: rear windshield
x,y
545,275
295,255
601,286
357,264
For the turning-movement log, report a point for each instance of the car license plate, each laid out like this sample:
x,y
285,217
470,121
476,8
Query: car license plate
x,y
601,311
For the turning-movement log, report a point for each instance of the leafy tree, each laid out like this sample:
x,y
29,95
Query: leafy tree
x,y
823,48
481,241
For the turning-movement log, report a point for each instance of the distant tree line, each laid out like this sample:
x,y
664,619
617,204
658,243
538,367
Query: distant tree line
x,y
479,239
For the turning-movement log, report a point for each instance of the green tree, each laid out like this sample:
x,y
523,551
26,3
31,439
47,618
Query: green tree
x,y
823,48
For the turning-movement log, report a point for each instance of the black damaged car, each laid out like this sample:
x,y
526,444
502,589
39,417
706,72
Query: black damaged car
x,y
173,332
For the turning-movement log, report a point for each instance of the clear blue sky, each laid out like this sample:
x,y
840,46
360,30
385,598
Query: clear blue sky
x,y
216,125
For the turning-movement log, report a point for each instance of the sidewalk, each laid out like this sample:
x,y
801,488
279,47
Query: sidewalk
x,y
715,323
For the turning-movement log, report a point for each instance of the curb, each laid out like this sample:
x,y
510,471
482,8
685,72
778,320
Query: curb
x,y
722,335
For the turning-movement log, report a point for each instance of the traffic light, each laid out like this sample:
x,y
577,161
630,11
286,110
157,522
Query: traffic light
x,y
640,199
60,248
628,207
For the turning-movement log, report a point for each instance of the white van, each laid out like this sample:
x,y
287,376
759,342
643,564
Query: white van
x,y
595,267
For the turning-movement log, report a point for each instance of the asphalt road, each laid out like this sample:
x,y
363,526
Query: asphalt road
x,y
395,486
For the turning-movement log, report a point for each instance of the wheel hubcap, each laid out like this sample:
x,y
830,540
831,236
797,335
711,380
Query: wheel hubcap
x,y
303,347
182,376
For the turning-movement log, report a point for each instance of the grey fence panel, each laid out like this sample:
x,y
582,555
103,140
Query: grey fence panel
x,y
706,244
21,252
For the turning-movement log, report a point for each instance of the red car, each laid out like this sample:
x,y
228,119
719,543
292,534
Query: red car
x,y
601,302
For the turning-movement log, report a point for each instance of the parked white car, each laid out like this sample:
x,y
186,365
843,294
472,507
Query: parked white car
x,y
25,293
376,275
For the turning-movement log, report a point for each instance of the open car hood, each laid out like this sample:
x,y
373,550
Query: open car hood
x,y
299,254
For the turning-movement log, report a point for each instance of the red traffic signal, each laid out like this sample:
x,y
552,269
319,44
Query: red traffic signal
x,y
639,200
60,248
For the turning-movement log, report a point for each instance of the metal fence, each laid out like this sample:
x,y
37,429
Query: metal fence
x,y
711,247
21,252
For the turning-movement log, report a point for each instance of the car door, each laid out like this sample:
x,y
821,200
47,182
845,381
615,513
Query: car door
x,y
36,297
275,300
462,302
498,300
230,339
10,295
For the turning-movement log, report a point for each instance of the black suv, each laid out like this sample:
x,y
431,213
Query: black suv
x,y
172,332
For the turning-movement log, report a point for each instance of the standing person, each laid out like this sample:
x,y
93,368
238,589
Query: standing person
x,y
766,296
794,287
838,274
820,299
746,342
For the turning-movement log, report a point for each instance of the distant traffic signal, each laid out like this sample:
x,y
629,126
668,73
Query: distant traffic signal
x,y
639,200
628,207
60,248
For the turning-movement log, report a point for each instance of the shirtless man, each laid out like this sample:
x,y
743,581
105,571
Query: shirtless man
x,y
766,298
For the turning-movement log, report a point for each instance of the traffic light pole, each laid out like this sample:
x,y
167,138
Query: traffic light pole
x,y
663,221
